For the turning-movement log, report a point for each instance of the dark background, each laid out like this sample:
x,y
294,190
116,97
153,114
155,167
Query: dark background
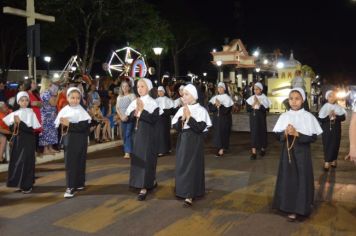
x,y
320,33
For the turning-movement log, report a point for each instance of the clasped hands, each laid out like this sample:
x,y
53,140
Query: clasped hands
x,y
290,130
139,107
186,113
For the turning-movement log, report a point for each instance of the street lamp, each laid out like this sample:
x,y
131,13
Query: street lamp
x,y
219,63
158,52
48,60
258,71
256,53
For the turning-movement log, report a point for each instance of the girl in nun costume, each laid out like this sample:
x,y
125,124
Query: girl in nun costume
x,y
22,122
75,122
164,122
144,111
331,115
221,105
192,122
257,106
296,129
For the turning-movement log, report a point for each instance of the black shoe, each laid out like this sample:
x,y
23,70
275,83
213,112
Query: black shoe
x,y
262,153
253,157
141,196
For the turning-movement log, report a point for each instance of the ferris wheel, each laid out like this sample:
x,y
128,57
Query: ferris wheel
x,y
127,62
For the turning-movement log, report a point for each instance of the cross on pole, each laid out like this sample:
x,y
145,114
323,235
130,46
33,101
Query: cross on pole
x,y
31,15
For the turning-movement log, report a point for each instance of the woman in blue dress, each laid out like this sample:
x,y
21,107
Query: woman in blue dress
x,y
49,135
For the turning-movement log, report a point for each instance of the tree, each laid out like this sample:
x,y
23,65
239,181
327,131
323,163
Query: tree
x,y
89,22
187,30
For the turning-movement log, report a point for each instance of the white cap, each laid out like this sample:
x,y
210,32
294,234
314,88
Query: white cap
x,y
327,94
299,90
222,85
192,90
160,88
259,85
71,89
20,95
148,83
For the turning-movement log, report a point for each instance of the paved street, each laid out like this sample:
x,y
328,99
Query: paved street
x,y
237,202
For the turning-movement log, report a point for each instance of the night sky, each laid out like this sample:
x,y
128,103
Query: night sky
x,y
320,33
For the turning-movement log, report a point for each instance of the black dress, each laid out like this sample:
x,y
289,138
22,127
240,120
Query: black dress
x,y
294,192
258,126
75,153
190,176
144,153
22,160
331,137
222,122
163,131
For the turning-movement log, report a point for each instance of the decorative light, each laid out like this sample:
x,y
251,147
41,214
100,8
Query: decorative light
x,y
256,53
157,50
265,61
214,50
26,77
56,75
205,74
97,76
129,60
218,63
258,69
47,59
73,68
280,65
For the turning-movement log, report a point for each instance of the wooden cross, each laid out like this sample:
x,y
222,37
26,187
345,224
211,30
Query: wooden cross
x,y
31,16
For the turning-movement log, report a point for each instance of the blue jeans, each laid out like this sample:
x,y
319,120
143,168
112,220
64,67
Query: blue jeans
x,y
127,129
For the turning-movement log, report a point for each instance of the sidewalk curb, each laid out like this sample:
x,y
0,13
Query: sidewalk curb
x,y
59,156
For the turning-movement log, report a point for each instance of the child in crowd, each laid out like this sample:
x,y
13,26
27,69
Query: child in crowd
x,y
22,122
296,129
75,130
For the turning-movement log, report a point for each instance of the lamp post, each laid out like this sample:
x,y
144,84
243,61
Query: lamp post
x,y
48,60
219,63
158,52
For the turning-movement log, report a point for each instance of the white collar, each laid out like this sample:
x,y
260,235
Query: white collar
x,y
198,112
26,115
224,99
74,114
304,122
328,107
